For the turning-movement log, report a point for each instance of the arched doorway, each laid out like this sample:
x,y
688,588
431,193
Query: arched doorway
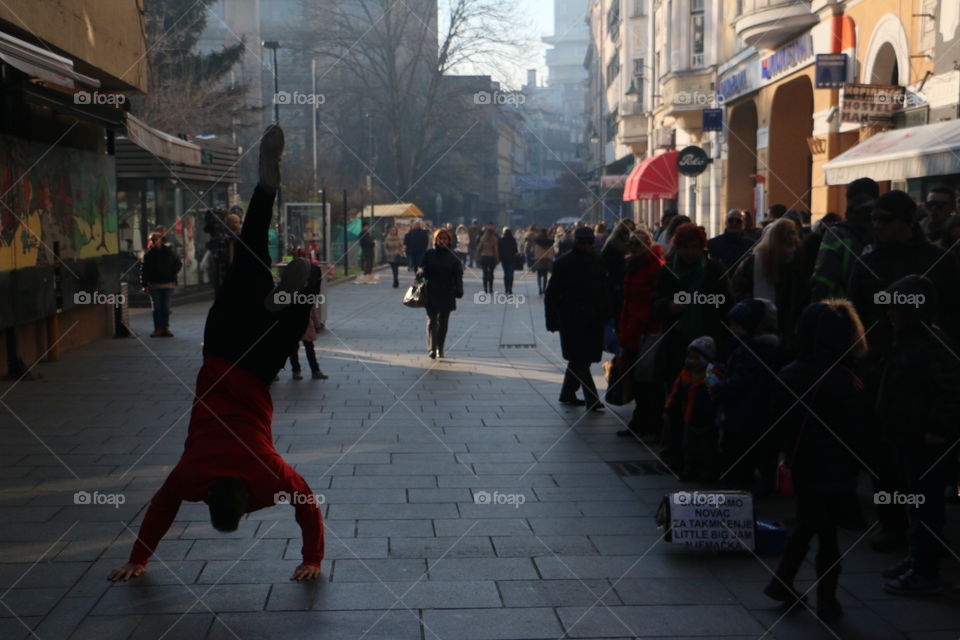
x,y
885,69
790,163
741,155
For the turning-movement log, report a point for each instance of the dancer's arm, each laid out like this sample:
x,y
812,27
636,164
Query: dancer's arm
x,y
310,519
160,515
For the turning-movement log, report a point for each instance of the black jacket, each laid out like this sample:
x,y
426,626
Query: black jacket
x,y
160,266
508,250
728,248
919,388
822,444
443,273
367,243
792,293
416,241
881,266
614,260
576,304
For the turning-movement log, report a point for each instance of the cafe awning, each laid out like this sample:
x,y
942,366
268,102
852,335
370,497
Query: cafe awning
x,y
160,144
898,154
656,178
398,210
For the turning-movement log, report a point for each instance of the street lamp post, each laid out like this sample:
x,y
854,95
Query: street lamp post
x,y
273,45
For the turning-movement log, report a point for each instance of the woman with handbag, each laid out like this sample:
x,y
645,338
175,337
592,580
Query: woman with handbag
x,y
509,256
543,254
393,249
443,277
821,438
639,333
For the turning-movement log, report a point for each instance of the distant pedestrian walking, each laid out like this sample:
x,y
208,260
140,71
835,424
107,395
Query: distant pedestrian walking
x,y
416,242
158,276
463,244
368,247
543,254
443,275
577,306
488,255
393,251
509,256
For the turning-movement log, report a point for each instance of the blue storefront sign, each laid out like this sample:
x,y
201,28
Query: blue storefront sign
x,y
831,70
713,119
786,58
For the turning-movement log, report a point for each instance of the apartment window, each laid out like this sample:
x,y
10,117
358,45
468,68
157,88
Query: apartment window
x,y
639,77
613,120
639,8
696,33
613,20
613,68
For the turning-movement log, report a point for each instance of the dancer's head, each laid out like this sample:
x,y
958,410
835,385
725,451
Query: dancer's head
x,y
227,499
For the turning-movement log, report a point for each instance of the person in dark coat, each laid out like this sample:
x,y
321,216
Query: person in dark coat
x,y
691,298
614,255
919,414
577,306
901,250
443,274
415,243
733,244
743,395
508,258
821,438
158,277
367,248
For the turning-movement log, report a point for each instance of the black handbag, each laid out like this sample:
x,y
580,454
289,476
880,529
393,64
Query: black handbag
x,y
416,295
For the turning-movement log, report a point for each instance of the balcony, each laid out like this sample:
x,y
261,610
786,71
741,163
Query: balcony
x,y
767,24
689,90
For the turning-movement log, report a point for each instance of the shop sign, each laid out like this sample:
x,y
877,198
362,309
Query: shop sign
x,y
787,58
831,70
692,161
740,80
712,120
870,102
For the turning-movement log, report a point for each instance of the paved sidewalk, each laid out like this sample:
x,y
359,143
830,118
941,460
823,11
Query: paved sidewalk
x,y
400,447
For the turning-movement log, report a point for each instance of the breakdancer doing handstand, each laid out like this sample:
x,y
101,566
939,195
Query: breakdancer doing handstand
x,y
229,459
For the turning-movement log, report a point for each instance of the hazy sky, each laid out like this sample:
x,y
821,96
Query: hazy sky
x,y
538,15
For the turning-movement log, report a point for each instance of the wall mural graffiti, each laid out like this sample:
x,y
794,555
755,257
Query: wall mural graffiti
x,y
54,197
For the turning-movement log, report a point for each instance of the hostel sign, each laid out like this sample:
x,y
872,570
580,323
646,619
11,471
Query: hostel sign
x,y
863,103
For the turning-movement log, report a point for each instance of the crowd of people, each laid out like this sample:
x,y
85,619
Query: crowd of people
x,y
788,352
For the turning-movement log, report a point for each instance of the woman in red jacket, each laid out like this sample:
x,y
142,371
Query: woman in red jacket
x,y
639,332
229,460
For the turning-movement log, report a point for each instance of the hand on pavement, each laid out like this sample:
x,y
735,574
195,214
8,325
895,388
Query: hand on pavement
x,y
127,571
306,572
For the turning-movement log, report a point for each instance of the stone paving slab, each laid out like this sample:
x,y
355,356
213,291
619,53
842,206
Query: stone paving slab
x,y
474,507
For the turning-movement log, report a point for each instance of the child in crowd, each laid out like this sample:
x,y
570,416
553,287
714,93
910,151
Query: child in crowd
x,y
313,326
689,404
743,396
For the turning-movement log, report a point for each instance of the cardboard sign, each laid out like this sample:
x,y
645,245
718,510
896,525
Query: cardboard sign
x,y
722,520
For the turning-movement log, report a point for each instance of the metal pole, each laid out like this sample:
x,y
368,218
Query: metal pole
x,y
313,75
323,224
281,227
346,237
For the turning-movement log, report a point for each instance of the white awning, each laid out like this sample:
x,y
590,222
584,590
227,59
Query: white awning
x,y
914,152
161,144
42,64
